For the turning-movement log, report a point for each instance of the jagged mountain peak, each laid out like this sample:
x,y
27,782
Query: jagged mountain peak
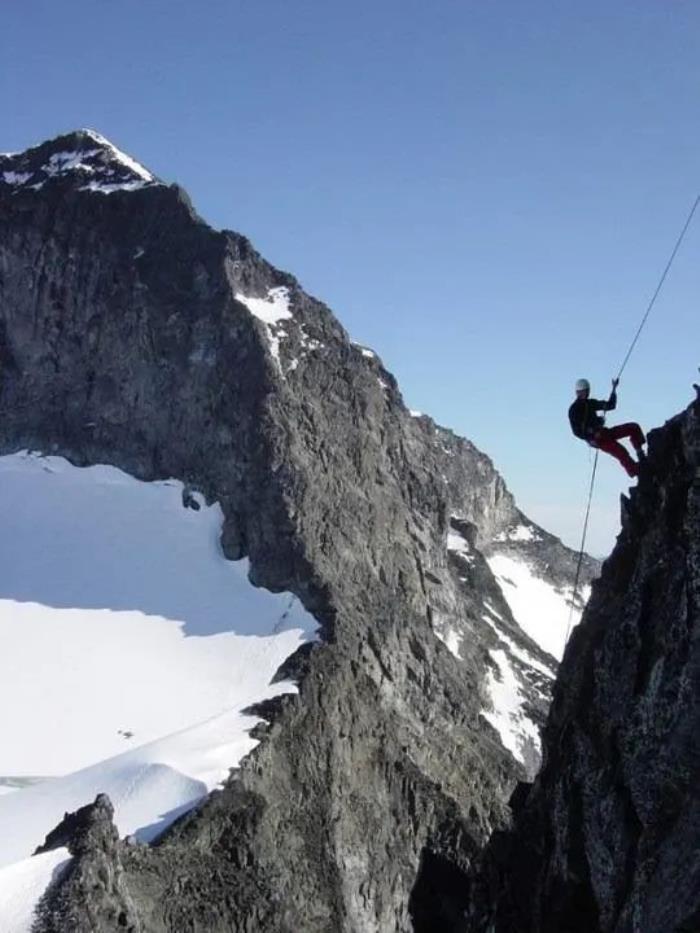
x,y
133,334
83,158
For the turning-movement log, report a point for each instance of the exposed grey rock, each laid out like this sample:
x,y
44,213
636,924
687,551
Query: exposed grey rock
x,y
90,893
126,337
607,837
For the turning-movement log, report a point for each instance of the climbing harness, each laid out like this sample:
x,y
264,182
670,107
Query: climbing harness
x,y
630,350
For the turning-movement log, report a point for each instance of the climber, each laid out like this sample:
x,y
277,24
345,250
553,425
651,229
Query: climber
x,y
590,427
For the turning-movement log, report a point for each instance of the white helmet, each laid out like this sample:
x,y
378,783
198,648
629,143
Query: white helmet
x,y
583,385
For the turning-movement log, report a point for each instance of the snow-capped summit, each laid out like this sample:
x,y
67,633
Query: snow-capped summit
x,y
84,157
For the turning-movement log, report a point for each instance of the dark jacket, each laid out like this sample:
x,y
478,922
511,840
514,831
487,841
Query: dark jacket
x,y
583,418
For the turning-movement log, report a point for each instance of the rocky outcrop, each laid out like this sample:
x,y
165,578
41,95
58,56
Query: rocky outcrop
x,y
607,837
91,890
132,333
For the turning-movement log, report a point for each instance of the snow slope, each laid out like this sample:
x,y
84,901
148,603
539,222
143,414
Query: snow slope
x,y
149,786
22,885
515,676
543,612
128,647
508,715
540,609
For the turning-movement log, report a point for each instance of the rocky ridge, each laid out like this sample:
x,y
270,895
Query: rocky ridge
x,y
607,837
132,333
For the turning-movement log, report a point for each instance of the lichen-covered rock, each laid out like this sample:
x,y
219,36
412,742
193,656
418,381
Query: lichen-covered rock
x,y
608,837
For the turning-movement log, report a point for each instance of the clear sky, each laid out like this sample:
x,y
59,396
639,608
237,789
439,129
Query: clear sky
x,y
484,192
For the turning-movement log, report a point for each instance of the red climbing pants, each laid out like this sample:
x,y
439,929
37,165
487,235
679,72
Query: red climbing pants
x,y
607,439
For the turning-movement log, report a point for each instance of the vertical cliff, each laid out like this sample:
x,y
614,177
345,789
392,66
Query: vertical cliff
x,y
607,838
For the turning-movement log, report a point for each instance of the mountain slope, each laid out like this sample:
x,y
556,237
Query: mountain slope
x,y
133,334
97,577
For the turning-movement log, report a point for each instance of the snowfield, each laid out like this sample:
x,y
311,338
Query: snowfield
x,y
129,647
149,786
542,611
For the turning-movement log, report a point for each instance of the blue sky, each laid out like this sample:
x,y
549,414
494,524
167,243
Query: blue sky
x,y
484,192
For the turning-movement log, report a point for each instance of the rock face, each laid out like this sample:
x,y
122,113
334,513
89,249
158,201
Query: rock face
x,y
91,889
132,333
607,838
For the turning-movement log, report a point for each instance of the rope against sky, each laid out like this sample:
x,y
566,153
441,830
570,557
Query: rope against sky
x,y
630,350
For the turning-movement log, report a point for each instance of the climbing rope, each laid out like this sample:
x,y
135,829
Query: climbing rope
x,y
574,595
660,285
630,350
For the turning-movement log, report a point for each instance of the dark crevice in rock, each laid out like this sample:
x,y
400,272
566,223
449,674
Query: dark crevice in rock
x,y
439,897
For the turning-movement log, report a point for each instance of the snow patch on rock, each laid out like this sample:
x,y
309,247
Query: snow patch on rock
x,y
541,610
452,639
271,310
519,533
518,733
309,343
16,178
457,544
